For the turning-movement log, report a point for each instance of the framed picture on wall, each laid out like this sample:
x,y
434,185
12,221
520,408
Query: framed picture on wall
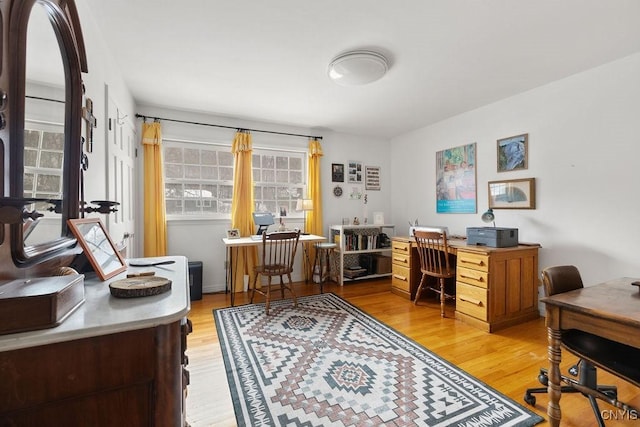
x,y
456,180
337,172
513,194
372,177
513,153
355,172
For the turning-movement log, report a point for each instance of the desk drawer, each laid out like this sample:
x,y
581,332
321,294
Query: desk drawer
x,y
401,247
473,261
401,278
471,300
472,277
401,259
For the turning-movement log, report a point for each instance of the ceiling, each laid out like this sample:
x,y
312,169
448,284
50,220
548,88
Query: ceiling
x,y
267,60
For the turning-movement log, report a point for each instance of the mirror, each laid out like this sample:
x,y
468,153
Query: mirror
x,y
98,247
43,140
43,127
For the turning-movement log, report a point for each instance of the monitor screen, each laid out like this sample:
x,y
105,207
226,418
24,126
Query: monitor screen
x,y
262,221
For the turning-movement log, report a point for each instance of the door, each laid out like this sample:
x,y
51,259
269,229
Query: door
x,y
121,177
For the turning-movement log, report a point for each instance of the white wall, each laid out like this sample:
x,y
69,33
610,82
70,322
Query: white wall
x,y
200,239
584,148
101,74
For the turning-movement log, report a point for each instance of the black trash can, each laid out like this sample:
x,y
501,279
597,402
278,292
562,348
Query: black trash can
x,y
195,280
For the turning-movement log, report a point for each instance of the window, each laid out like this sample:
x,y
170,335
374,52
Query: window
x,y
43,161
199,179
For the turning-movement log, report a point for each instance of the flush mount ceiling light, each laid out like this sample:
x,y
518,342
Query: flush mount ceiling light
x,y
358,67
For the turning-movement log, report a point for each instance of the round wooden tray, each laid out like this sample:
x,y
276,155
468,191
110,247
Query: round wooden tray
x,y
143,286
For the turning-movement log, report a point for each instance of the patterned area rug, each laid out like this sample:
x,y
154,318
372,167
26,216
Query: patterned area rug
x,y
327,363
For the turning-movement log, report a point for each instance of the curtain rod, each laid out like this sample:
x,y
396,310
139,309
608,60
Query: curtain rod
x,y
226,127
44,99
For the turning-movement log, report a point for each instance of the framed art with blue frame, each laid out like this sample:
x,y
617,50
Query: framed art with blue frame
x,y
456,180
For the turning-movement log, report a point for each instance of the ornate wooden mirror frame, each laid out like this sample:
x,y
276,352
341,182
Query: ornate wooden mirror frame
x,y
16,259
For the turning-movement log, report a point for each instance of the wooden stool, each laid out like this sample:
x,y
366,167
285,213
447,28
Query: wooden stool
x,y
323,251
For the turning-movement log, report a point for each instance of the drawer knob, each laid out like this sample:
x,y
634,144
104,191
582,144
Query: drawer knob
x,y
403,260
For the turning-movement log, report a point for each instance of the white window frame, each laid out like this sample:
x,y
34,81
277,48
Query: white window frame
x,y
301,187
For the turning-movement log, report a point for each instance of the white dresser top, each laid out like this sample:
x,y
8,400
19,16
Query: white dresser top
x,y
103,314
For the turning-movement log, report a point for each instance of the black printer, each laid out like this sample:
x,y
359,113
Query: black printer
x,y
495,237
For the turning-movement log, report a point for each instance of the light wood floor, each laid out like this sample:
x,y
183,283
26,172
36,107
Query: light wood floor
x,y
507,360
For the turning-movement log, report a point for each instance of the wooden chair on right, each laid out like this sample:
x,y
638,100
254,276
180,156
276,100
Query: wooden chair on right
x,y
593,351
433,251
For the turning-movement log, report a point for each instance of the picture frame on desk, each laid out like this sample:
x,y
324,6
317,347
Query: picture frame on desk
x,y
233,233
512,194
97,247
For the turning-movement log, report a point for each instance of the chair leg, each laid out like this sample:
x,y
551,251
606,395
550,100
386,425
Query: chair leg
x,y
293,294
419,291
268,296
442,296
253,289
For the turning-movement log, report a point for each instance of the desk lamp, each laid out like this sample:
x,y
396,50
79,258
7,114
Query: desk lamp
x,y
304,205
488,216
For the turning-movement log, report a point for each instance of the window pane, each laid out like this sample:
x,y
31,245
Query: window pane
x,y
295,163
51,160
192,172
172,170
48,183
268,162
173,155
209,157
30,157
282,176
226,174
225,158
53,141
268,176
209,173
191,156
282,162
32,138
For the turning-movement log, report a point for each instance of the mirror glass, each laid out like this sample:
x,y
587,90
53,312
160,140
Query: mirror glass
x,y
43,127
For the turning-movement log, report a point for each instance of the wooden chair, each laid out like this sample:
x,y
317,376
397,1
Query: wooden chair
x,y
433,251
278,255
592,351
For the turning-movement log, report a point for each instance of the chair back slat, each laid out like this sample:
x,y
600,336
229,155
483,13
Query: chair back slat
x,y
433,251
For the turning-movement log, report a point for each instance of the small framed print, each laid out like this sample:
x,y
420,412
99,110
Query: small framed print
x,y
337,172
233,233
513,153
513,194
378,218
355,172
372,177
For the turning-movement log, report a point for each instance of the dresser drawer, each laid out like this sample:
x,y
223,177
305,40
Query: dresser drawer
x,y
472,277
473,261
400,246
471,300
401,278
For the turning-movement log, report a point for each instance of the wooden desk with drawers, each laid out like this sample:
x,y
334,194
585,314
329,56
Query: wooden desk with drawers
x,y
495,287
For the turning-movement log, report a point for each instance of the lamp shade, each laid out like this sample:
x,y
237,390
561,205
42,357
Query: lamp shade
x,y
488,216
358,67
304,205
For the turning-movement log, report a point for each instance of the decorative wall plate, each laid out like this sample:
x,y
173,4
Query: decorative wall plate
x,y
337,191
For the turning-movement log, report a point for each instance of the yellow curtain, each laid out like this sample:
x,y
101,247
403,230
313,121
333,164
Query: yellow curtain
x,y
155,222
242,207
313,220
313,223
